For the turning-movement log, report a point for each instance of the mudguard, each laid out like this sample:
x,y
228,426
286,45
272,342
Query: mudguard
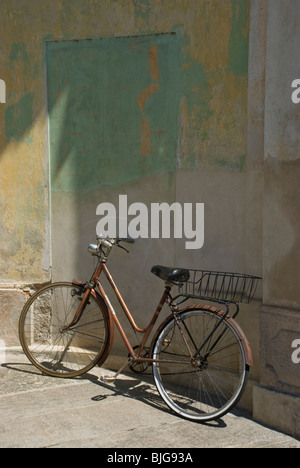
x,y
220,313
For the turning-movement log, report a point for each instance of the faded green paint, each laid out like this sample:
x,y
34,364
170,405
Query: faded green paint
x,y
142,9
18,52
198,94
235,164
214,76
239,41
19,119
114,109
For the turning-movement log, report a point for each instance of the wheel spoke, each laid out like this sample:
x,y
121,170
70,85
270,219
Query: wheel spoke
x,y
50,344
208,386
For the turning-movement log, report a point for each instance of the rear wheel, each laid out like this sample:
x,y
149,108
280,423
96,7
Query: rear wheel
x,y
208,384
48,342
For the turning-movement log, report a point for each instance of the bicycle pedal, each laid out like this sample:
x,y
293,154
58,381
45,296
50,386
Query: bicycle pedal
x,y
107,378
113,378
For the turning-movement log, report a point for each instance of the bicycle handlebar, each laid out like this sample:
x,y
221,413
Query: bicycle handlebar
x,y
108,243
116,241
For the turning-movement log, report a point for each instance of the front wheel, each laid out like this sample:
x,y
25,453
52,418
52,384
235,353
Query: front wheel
x,y
203,370
53,346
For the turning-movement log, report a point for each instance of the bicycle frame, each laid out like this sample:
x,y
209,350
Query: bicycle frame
x,y
166,298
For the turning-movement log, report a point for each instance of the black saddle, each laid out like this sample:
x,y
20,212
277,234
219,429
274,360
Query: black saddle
x,y
174,275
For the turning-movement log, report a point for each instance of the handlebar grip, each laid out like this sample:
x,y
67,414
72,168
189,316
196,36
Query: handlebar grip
x,y
129,240
106,243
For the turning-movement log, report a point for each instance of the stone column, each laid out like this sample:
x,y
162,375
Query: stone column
x,y
276,399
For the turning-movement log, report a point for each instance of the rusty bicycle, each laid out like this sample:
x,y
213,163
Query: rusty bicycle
x,y
199,355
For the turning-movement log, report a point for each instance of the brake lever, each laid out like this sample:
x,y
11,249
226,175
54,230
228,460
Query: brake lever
x,y
121,247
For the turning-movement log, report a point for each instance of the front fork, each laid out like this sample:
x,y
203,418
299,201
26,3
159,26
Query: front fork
x,y
84,301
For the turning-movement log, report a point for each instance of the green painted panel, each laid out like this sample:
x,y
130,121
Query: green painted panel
x,y
19,119
113,109
239,38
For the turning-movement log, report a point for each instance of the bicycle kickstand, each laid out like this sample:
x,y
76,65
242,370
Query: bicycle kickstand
x,y
113,378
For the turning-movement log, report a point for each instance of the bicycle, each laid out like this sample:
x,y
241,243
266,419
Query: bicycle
x,y
200,356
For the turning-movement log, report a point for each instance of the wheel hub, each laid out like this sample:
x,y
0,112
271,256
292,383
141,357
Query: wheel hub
x,y
201,363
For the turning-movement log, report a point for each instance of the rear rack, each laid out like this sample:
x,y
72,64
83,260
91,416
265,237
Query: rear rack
x,y
219,286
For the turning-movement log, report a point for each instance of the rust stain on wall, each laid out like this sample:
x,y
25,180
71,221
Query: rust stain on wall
x,y
153,62
145,146
145,95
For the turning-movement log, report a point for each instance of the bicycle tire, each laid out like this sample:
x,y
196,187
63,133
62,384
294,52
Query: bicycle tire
x,y
209,387
64,353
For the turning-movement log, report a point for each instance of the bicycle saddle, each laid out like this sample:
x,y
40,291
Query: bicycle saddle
x,y
171,274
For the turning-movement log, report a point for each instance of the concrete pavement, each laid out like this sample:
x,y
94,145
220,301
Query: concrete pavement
x,y
39,411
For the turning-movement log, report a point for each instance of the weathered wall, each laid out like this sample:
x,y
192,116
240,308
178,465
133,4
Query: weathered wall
x,y
212,73
277,399
170,123
167,95
178,79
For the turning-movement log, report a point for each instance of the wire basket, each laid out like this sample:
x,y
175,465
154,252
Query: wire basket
x,y
228,287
